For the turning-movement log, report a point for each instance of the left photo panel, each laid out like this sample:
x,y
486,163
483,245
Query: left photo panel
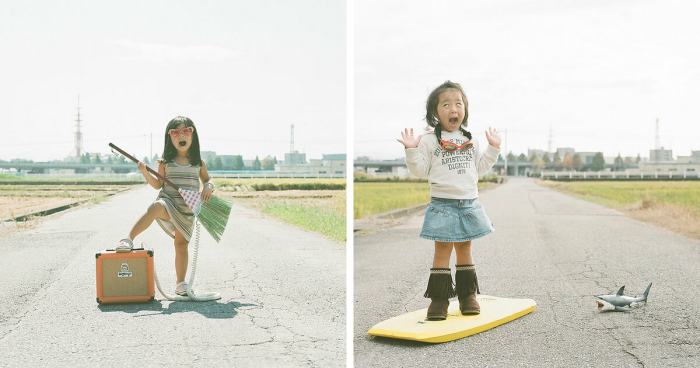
x,y
173,183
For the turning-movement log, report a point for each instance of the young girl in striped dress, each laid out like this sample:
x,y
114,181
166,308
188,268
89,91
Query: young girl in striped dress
x,y
181,163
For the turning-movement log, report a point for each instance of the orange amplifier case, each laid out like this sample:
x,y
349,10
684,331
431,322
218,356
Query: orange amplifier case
x,y
125,277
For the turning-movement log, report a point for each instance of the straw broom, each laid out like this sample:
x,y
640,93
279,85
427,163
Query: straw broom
x,y
213,214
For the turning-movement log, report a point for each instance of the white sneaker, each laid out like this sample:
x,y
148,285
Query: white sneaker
x,y
125,245
181,289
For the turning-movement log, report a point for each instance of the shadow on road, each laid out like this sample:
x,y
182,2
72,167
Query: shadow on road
x,y
399,342
210,309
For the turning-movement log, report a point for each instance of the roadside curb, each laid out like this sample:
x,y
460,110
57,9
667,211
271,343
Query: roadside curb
x,y
376,221
371,222
401,212
52,210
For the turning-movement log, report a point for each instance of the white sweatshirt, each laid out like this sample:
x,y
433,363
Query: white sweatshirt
x,y
451,175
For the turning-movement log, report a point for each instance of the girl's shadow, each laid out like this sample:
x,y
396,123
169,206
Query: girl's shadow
x,y
211,309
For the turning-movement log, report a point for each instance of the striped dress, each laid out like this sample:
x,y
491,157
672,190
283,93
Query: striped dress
x,y
181,217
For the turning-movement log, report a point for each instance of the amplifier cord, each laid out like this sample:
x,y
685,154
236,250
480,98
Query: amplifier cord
x,y
190,295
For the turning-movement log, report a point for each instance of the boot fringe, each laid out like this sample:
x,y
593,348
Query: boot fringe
x,y
440,285
466,280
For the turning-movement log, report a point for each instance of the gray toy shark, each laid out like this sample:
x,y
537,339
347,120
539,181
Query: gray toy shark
x,y
619,302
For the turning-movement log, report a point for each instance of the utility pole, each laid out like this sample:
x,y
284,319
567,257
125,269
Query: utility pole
x,y
291,142
505,146
658,139
78,134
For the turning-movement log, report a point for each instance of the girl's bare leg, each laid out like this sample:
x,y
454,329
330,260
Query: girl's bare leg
x,y
464,253
181,256
443,251
156,210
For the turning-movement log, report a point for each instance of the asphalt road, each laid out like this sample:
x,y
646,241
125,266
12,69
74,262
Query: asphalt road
x,y
559,251
283,296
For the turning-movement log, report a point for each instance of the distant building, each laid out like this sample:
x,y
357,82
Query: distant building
x,y
294,158
675,166
695,156
396,167
333,164
660,155
662,161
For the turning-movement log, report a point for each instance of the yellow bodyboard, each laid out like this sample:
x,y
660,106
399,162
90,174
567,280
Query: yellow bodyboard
x,y
414,326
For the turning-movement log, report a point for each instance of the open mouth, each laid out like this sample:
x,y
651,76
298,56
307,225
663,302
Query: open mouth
x,y
182,143
600,305
453,120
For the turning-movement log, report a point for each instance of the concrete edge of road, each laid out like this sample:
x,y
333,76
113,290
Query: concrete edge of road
x,y
373,221
380,219
52,210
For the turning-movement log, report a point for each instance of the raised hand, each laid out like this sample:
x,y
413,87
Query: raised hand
x,y
142,167
408,140
493,138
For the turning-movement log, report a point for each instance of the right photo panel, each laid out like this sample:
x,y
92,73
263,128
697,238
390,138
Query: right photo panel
x,y
526,186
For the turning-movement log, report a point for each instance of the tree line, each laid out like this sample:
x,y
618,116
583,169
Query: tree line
x,y
213,163
216,163
576,163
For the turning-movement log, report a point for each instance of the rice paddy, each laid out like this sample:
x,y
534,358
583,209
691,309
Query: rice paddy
x,y
672,205
624,193
375,197
317,205
19,196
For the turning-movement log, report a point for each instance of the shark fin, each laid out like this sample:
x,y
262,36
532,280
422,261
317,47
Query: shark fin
x,y
646,293
621,291
626,309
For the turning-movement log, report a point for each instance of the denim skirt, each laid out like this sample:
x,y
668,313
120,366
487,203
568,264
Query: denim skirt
x,y
455,220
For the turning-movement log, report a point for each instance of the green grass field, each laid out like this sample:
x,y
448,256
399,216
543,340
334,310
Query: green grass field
x,y
624,193
251,181
10,177
373,198
326,218
325,214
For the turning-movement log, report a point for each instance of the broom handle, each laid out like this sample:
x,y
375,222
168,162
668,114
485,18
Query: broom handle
x,y
130,157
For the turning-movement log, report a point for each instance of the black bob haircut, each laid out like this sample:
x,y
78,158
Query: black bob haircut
x,y
169,150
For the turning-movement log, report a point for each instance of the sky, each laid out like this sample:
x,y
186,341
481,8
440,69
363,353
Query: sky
x,y
597,73
243,71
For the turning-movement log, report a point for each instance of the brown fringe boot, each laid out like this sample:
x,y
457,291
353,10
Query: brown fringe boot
x,y
467,288
439,291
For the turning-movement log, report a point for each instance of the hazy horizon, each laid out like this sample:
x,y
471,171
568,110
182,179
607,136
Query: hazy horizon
x,y
244,72
599,73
